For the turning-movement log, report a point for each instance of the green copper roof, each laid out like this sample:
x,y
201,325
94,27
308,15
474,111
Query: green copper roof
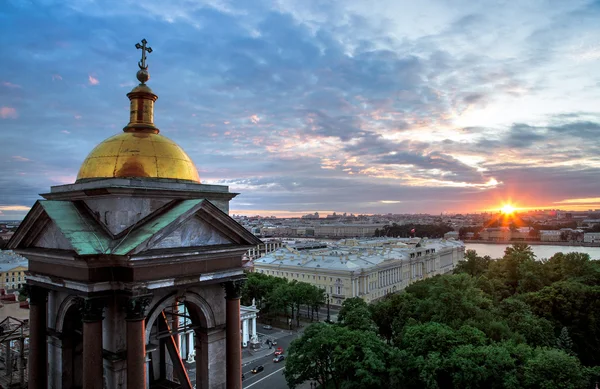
x,y
146,231
88,238
81,231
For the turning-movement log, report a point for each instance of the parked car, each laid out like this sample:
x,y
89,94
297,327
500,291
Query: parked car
x,y
279,358
257,369
267,327
279,351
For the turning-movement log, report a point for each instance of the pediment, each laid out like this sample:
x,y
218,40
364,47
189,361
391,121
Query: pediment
x,y
68,225
52,238
192,233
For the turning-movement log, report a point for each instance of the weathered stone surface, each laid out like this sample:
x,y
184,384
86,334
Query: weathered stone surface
x,y
192,233
52,238
119,213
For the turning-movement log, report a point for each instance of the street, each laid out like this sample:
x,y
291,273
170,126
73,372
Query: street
x,y
272,376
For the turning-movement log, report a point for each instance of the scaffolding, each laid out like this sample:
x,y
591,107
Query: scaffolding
x,y
14,346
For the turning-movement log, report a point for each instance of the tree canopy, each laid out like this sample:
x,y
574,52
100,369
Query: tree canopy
x,y
508,323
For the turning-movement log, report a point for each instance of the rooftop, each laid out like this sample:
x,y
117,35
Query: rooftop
x,y
353,255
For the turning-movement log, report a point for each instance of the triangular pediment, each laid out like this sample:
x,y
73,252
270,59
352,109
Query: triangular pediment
x,y
72,226
52,238
191,233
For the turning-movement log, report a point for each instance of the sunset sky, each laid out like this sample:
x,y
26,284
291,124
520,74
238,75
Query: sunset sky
x,y
301,106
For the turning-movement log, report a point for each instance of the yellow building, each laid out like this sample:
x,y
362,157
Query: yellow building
x,y
368,268
12,270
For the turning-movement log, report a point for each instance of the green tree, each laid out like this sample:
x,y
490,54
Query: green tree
x,y
551,369
337,357
473,264
355,315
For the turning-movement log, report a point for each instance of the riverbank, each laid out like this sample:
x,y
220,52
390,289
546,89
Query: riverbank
x,y
532,243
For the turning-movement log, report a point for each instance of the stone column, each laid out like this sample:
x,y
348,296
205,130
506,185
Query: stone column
x,y
92,313
245,332
233,359
38,349
136,341
253,327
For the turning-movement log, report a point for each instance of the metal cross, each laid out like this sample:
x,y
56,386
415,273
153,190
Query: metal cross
x,y
142,63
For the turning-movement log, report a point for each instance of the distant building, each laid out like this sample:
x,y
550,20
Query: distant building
x,y
550,235
369,268
12,270
451,235
591,237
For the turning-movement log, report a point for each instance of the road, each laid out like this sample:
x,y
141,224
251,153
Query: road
x,y
272,376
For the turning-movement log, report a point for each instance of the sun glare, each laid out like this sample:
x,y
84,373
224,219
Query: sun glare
x,y
508,209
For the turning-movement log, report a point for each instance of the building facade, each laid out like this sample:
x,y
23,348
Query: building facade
x,y
12,270
369,269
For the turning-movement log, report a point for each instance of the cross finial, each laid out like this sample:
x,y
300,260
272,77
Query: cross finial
x,y
142,74
142,63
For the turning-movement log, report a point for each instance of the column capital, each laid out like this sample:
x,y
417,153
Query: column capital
x,y
136,307
233,289
91,309
37,294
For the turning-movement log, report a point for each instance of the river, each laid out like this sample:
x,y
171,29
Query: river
x,y
541,251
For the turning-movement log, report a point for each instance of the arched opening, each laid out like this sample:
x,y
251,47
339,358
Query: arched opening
x,y
72,349
172,327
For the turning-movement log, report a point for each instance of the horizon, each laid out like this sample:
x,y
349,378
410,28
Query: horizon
x,y
392,107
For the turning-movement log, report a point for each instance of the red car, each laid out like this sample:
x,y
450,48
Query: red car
x,y
279,351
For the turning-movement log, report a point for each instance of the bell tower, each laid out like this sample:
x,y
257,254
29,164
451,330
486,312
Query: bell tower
x,y
128,258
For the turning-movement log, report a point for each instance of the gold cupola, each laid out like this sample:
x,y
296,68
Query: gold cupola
x,y
139,151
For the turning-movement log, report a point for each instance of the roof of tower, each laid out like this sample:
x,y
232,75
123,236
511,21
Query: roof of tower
x,y
139,151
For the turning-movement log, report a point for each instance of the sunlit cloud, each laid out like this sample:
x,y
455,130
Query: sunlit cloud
x,y
8,113
56,77
589,200
92,80
21,159
14,208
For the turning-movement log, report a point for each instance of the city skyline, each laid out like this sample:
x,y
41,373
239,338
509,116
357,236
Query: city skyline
x,y
391,107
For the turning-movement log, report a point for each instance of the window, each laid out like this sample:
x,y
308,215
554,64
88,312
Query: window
x,y
339,289
19,278
314,277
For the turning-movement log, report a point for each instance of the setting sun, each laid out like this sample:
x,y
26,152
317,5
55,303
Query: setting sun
x,y
508,209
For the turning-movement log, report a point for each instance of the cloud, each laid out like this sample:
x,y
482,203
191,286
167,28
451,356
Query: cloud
x,y
10,85
312,105
8,113
92,80
21,159
579,201
14,208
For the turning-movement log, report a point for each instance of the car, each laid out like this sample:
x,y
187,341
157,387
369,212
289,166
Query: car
x,y
267,327
274,342
279,351
257,369
279,358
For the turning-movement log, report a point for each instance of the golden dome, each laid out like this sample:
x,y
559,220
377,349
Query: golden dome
x,y
139,151
138,154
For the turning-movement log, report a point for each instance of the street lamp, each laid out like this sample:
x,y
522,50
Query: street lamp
x,y
328,317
